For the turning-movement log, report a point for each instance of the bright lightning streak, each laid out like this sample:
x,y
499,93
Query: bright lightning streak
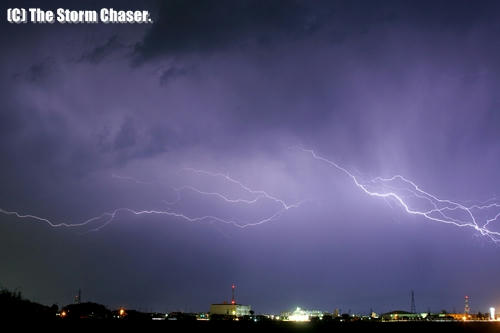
x,y
53,224
387,189
114,213
109,217
436,209
491,220
246,188
219,195
259,194
484,206
439,206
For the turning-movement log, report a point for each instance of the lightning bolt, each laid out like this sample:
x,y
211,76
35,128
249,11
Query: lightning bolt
x,y
404,192
259,193
108,217
51,223
439,208
218,195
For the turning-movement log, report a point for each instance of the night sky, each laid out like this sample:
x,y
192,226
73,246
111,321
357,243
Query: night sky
x,y
100,117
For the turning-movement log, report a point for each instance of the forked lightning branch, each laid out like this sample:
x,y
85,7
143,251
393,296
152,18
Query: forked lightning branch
x,y
398,189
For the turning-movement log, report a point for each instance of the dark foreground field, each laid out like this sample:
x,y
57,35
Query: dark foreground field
x,y
206,326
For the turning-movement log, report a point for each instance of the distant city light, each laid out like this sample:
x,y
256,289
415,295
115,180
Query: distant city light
x,y
492,314
299,315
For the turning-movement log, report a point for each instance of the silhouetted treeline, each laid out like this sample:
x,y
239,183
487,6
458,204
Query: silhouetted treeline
x,y
13,306
86,310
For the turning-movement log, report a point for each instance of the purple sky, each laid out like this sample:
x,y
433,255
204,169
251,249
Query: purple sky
x,y
99,117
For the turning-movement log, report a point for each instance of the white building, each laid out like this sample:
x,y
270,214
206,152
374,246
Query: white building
x,y
301,315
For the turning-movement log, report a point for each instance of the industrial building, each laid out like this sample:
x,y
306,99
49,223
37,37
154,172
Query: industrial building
x,y
237,310
402,316
300,314
230,309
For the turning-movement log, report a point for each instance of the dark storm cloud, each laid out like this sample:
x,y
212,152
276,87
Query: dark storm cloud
x,y
172,73
100,52
126,137
359,40
184,27
192,26
38,72
135,141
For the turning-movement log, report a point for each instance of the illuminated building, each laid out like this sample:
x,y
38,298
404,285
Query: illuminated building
x,y
300,314
232,309
402,316
461,316
236,310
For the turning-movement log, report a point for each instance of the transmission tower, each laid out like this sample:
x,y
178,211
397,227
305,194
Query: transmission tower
x,y
412,306
467,305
